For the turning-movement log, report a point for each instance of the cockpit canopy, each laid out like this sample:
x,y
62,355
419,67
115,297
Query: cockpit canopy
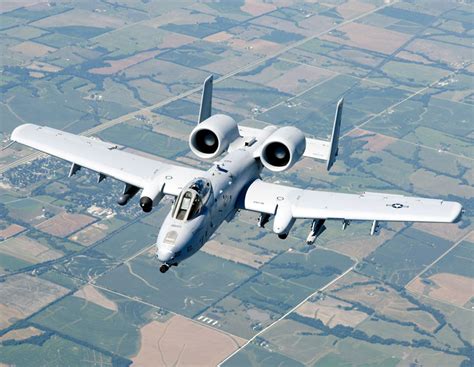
x,y
191,200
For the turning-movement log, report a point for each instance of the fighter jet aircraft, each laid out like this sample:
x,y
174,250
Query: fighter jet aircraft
x,y
204,199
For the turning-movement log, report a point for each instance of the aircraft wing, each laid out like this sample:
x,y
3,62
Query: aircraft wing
x,y
268,197
104,158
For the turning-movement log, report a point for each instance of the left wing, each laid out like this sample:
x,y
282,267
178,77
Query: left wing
x,y
297,203
106,159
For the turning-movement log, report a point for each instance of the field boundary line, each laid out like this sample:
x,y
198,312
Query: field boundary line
x,y
439,258
289,312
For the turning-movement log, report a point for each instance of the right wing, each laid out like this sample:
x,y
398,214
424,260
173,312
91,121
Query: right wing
x,y
297,203
105,158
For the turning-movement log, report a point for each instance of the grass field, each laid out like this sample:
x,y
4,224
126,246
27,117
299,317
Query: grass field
x,y
255,355
128,241
398,260
30,211
186,289
116,332
72,354
312,270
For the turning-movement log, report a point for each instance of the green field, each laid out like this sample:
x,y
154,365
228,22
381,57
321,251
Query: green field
x,y
270,293
313,270
187,289
128,241
255,355
398,260
116,332
459,261
31,211
71,354
9,263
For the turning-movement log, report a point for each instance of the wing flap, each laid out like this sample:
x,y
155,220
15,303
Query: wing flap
x,y
306,204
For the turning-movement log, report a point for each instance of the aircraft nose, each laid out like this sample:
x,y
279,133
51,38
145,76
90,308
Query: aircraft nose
x,y
164,255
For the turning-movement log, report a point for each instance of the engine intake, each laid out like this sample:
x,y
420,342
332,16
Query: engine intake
x,y
283,149
213,136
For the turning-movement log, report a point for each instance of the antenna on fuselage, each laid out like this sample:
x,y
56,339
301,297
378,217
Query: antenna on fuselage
x,y
206,100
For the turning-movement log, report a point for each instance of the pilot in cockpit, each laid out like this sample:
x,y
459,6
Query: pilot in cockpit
x,y
191,200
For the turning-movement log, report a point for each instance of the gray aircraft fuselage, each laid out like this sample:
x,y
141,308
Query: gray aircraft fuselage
x,y
178,238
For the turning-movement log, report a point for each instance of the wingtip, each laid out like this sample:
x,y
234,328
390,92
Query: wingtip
x,y
457,212
15,135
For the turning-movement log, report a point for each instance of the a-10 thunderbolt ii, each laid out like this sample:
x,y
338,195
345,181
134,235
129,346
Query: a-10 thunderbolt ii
x,y
204,199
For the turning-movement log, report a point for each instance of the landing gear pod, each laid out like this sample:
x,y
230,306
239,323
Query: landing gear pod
x,y
283,221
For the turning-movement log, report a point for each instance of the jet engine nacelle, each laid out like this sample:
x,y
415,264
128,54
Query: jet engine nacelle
x,y
283,149
213,136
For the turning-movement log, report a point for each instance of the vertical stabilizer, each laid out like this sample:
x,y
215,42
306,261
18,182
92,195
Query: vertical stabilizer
x,y
206,100
335,135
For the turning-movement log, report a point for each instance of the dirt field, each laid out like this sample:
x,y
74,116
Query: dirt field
x,y
360,246
291,80
440,51
64,224
330,311
278,23
235,254
174,40
79,17
219,37
386,301
91,294
10,231
351,9
448,231
119,65
257,7
452,288
21,295
375,142
96,231
32,49
380,40
29,250
90,235
182,342
434,184
409,56
42,66
21,334
10,5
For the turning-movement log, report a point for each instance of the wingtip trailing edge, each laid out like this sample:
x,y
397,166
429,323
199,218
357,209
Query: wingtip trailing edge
x,y
17,132
456,212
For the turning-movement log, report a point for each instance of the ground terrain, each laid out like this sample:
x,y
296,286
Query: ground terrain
x,y
79,283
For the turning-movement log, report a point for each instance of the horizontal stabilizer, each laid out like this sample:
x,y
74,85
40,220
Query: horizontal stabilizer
x,y
318,149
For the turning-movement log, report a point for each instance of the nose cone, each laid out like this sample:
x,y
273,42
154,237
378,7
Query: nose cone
x,y
164,255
